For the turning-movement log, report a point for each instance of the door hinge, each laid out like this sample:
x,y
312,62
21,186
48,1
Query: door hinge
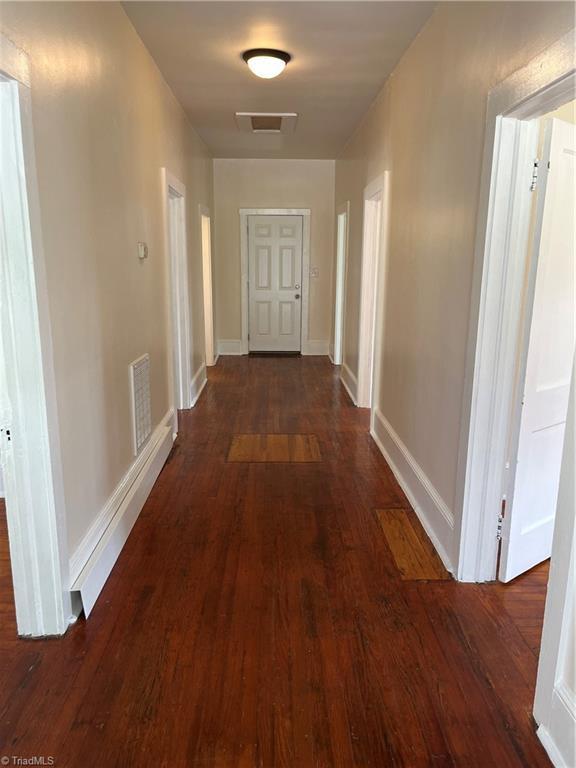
x,y
534,182
500,520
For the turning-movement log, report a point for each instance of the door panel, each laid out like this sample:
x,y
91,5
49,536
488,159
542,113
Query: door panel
x,y
274,283
529,522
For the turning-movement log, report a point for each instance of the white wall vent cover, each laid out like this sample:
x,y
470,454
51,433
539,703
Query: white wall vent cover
x,y
267,122
141,410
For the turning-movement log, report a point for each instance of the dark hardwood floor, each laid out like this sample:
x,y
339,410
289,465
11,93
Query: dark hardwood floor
x,y
257,616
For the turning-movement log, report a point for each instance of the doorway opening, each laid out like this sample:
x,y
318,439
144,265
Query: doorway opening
x,y
371,255
175,200
340,282
525,341
29,434
522,338
545,353
206,235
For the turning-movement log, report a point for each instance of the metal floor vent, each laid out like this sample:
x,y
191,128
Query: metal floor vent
x,y
141,410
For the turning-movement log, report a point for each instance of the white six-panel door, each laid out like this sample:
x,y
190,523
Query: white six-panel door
x,y
275,283
529,521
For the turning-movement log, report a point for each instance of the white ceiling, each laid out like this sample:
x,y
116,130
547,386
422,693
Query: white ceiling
x,y
342,53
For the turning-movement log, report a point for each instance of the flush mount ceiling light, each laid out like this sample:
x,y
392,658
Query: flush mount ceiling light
x,y
266,62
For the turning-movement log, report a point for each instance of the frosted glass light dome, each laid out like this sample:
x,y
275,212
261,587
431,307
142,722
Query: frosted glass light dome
x,y
266,62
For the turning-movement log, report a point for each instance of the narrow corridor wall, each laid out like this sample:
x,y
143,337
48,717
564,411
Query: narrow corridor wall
x,y
427,128
105,123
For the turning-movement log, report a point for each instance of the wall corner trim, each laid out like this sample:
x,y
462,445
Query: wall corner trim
x,y
557,737
349,381
433,512
199,381
94,558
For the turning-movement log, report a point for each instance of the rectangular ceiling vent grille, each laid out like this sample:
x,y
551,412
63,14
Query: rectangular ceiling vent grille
x,y
141,408
266,122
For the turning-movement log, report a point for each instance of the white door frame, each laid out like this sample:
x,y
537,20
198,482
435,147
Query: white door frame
x,y
305,213
373,221
341,274
207,291
544,84
31,458
174,195
554,705
512,520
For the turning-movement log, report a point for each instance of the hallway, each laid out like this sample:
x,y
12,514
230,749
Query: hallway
x,y
256,616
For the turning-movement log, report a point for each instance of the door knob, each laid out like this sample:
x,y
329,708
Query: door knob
x,y
296,287
296,295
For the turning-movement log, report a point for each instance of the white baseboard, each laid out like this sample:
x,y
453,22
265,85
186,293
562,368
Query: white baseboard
x,y
94,558
558,737
197,385
435,516
315,347
350,382
229,347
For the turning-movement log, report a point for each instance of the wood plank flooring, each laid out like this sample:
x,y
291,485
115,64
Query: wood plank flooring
x,y
413,553
274,448
257,617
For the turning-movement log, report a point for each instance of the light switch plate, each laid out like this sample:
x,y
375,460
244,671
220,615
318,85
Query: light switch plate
x,y
142,251
314,272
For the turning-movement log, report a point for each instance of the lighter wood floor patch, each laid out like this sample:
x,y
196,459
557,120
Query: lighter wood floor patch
x,y
274,448
413,558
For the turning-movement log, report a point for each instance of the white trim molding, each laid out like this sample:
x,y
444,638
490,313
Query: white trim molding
x,y
338,329
244,214
372,250
503,225
199,381
95,556
176,245
433,512
349,381
558,735
31,457
230,347
555,701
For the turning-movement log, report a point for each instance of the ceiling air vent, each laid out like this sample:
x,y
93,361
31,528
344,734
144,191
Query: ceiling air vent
x,y
266,122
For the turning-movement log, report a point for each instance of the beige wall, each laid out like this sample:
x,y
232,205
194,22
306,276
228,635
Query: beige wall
x,y
427,128
272,184
104,124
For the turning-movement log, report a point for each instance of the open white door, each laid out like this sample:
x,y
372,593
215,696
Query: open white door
x,y
529,520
